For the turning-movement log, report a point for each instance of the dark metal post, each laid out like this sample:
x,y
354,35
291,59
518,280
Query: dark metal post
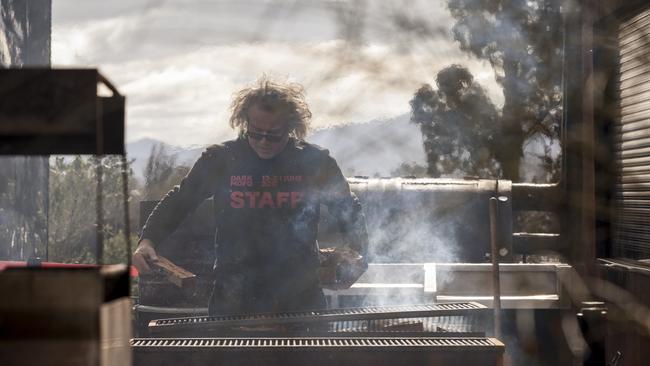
x,y
127,223
496,286
99,223
593,324
504,226
46,198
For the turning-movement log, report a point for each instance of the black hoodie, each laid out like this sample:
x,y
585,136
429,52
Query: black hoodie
x,y
267,213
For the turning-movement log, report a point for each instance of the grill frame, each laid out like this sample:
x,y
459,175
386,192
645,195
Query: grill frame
x,y
364,343
220,323
317,351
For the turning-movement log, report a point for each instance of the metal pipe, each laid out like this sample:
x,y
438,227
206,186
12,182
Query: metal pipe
x,y
496,286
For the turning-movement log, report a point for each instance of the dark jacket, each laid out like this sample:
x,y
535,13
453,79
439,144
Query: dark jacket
x,y
267,213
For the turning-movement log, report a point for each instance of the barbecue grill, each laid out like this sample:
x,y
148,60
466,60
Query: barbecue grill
x,y
418,318
378,335
317,351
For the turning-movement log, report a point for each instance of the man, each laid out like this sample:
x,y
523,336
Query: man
x,y
267,185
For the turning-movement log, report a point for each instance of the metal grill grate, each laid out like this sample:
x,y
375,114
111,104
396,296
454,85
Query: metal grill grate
x,y
322,316
313,342
460,324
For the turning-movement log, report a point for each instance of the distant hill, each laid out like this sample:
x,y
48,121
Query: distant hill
x,y
373,148
370,148
140,150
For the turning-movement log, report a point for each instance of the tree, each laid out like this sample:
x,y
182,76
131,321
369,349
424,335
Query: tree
x,y
458,122
522,40
409,170
73,209
23,208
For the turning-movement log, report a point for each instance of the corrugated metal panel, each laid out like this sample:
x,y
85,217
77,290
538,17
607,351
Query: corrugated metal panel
x,y
628,127
625,84
639,178
633,23
634,135
634,95
632,145
636,161
636,144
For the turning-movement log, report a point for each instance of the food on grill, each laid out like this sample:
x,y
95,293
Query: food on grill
x,y
340,267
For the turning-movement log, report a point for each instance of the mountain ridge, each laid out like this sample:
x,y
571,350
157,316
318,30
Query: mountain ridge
x,y
373,148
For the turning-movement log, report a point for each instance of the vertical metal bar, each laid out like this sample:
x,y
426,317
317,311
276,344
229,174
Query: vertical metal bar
x,y
99,145
496,286
586,250
99,223
127,223
504,208
46,198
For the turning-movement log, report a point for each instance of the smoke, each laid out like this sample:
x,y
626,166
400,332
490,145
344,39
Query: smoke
x,y
414,224
404,227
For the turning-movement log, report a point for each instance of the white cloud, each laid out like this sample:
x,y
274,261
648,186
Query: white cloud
x,y
179,70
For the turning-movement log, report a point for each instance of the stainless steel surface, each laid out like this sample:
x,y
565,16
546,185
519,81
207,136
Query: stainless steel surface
x,y
171,310
523,286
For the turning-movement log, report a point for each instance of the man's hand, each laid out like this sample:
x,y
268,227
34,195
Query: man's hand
x,y
143,255
348,273
341,267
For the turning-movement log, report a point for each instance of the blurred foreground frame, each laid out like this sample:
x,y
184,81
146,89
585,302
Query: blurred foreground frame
x,y
69,314
57,111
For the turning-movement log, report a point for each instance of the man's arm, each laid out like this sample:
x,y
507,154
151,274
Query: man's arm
x,y
344,207
174,207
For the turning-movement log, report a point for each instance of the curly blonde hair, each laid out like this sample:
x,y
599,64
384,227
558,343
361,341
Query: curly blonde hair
x,y
287,98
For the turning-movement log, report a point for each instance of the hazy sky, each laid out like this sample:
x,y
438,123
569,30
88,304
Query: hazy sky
x,y
179,62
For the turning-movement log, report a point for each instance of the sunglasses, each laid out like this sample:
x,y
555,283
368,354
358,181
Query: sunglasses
x,y
259,136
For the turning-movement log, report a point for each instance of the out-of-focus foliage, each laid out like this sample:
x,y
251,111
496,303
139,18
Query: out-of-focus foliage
x,y
410,170
552,166
72,218
459,124
522,40
23,221
72,235
72,205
